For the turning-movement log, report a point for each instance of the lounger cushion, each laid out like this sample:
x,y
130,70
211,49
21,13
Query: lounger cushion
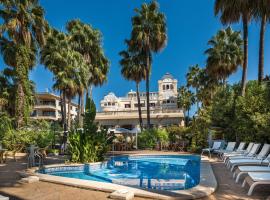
x,y
253,168
259,176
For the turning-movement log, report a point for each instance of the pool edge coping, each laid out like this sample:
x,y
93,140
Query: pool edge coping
x,y
206,187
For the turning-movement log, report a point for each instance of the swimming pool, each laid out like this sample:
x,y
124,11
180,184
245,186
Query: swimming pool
x,y
162,172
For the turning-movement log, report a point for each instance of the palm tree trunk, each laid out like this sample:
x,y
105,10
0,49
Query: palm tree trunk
x,y
147,92
261,50
82,104
19,108
79,110
245,64
69,114
139,106
65,121
62,108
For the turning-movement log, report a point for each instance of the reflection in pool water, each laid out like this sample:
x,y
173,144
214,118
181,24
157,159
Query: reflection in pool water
x,y
170,172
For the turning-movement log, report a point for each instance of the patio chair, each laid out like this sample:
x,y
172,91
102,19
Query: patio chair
x,y
256,178
32,156
252,153
250,160
216,146
238,153
230,147
243,170
240,149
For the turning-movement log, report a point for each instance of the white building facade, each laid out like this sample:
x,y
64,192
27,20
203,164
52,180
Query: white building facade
x,y
48,106
123,111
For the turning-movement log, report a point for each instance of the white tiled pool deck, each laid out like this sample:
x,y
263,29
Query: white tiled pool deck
x,y
207,185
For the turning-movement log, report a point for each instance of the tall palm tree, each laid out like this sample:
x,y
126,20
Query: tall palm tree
x,y
66,65
22,33
185,100
88,41
193,79
225,54
133,69
148,36
232,11
261,12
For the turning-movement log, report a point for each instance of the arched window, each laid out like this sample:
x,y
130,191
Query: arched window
x,y
163,87
167,87
171,86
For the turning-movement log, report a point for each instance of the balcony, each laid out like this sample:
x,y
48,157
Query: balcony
x,y
133,114
45,105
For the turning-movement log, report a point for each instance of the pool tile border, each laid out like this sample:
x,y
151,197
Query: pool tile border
x,y
207,185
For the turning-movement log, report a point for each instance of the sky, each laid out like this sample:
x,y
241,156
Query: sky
x,y
190,24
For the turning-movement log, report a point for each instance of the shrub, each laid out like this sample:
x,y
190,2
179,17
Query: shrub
x,y
89,144
150,138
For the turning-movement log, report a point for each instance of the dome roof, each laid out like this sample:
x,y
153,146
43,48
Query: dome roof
x,y
110,97
167,76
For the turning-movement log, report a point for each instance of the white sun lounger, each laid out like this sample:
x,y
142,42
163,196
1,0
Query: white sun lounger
x,y
251,161
230,147
251,154
215,146
238,153
256,178
243,170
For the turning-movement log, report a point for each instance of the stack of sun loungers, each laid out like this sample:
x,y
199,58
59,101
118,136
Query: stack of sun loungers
x,y
250,165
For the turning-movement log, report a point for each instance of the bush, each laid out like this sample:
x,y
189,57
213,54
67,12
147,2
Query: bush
x,y
177,133
150,138
89,144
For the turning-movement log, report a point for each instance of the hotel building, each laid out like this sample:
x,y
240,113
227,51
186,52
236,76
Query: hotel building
x,y
48,106
123,111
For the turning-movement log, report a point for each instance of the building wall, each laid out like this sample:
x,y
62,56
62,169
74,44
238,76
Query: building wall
x,y
48,106
123,111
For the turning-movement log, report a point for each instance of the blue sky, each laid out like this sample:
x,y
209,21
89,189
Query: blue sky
x,y
191,23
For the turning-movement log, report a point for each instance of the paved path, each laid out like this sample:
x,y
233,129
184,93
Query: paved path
x,y
227,189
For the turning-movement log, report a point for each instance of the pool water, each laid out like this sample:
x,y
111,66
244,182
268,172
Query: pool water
x,y
170,172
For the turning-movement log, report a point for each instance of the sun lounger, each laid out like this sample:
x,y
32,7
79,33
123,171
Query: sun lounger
x,y
230,148
251,154
256,178
255,160
243,170
216,146
237,153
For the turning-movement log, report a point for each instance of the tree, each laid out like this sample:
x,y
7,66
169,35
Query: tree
x,y
67,65
22,33
225,54
185,99
88,42
148,36
133,69
231,11
261,12
193,79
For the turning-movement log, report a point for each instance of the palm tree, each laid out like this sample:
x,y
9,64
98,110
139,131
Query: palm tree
x,y
185,100
225,54
87,41
66,65
193,80
22,33
261,12
148,36
133,69
232,11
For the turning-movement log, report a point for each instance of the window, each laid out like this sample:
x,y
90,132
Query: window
x,y
127,105
109,104
113,104
167,87
163,87
105,104
152,104
171,86
136,105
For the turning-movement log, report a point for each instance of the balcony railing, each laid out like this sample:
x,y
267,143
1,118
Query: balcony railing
x,y
135,112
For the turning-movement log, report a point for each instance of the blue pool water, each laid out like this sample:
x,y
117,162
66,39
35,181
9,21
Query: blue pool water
x,y
163,172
